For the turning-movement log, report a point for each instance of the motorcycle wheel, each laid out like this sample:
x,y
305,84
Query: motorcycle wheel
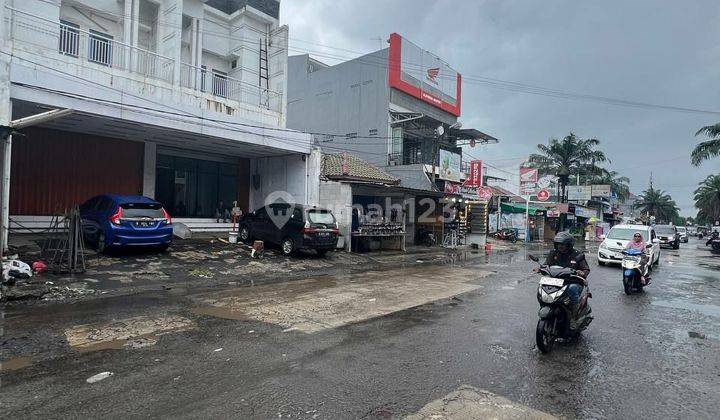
x,y
543,339
627,287
427,241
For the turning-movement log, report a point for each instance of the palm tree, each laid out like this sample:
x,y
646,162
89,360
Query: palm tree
x,y
707,198
709,148
657,203
569,156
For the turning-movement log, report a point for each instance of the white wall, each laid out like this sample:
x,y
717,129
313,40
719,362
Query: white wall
x,y
337,197
285,177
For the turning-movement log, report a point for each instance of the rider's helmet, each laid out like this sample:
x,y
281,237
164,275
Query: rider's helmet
x,y
564,238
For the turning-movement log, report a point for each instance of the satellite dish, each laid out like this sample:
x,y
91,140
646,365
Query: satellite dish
x,y
440,130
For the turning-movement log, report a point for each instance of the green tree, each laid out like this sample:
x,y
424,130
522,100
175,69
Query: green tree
x,y
709,148
570,156
707,199
657,203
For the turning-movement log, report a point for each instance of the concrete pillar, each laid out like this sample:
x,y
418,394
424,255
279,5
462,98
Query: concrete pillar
x,y
127,30
135,23
6,146
149,164
199,50
194,72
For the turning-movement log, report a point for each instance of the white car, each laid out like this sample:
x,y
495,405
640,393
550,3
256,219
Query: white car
x,y
610,250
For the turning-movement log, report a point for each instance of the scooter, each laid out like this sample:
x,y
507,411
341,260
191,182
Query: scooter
x,y
632,274
555,308
507,234
426,237
714,241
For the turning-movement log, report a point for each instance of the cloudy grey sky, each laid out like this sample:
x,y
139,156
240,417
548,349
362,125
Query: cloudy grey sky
x,y
658,52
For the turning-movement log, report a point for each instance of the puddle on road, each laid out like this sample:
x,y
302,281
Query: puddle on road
x,y
15,363
709,310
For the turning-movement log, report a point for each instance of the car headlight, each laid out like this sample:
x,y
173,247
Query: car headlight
x,y
672,238
603,245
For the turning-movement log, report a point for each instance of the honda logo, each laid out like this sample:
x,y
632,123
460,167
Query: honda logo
x,y
432,74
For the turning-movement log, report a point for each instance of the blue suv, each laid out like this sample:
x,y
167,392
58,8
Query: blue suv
x,y
114,221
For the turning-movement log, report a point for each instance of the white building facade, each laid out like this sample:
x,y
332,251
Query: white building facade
x,y
179,100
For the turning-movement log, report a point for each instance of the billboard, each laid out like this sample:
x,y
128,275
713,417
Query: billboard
x,y
528,181
450,166
601,191
423,75
579,192
474,178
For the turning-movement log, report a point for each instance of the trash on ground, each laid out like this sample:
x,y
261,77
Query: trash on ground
x,y
99,377
39,267
181,230
216,350
695,334
15,269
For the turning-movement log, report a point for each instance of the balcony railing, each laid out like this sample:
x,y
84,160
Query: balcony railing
x,y
224,86
98,49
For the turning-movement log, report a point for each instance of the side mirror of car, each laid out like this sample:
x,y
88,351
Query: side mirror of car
x,y
534,258
602,237
648,246
619,243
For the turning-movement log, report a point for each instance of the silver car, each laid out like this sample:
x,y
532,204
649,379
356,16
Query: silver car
x,y
683,233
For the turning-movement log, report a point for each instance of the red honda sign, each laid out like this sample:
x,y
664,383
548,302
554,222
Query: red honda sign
x,y
543,195
485,193
475,176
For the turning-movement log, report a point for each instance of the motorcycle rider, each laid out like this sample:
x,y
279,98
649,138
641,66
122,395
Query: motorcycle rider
x,y
565,255
639,244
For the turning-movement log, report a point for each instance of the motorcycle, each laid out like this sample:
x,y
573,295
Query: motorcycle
x,y
632,274
555,308
714,241
507,234
426,237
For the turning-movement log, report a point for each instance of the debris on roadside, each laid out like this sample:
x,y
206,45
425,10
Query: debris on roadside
x,y
201,272
99,377
695,334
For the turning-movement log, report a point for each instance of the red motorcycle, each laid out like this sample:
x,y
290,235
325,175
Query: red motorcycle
x,y
507,235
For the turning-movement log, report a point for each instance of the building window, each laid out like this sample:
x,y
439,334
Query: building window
x,y
100,48
203,76
69,38
372,132
220,84
351,136
233,64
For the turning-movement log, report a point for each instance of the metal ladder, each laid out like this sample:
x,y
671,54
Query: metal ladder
x,y
264,79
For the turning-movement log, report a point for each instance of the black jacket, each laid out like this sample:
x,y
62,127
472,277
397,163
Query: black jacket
x,y
573,259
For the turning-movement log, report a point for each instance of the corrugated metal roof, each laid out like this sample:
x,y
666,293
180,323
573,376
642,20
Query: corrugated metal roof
x,y
412,177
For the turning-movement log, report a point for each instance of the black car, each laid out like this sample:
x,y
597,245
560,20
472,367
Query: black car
x,y
293,227
668,236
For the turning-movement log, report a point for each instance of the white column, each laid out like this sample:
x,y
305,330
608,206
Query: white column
x,y
135,31
5,147
127,30
149,164
194,73
199,51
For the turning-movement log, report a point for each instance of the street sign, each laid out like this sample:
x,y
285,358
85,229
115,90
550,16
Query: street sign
x,y
543,195
484,193
579,192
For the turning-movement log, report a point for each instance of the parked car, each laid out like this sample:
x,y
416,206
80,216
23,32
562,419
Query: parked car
x,y
668,236
683,233
115,221
610,250
294,227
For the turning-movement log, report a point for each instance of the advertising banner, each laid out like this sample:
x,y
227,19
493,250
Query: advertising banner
x,y
474,178
579,192
423,75
601,191
585,212
528,181
450,166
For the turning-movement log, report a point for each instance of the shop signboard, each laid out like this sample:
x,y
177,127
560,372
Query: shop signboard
x,y
423,75
585,212
450,166
579,192
543,195
528,181
553,213
451,188
474,178
601,191
485,193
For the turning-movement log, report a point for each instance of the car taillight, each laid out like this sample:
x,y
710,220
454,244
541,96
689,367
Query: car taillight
x,y
336,228
307,229
115,218
168,219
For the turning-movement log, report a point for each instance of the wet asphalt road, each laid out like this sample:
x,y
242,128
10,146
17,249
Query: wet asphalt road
x,y
653,355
